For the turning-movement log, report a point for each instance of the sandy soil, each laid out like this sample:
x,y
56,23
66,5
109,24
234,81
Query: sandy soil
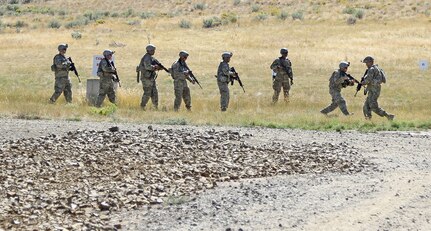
x,y
396,196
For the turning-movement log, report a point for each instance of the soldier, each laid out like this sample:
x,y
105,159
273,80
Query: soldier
x,y
224,75
337,81
181,72
61,67
373,80
106,72
282,68
148,77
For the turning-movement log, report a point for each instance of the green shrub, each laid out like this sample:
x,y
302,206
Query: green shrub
x,y
20,24
359,14
229,17
199,6
185,24
255,8
283,15
76,23
211,22
76,35
261,16
349,10
128,13
61,12
54,24
115,15
146,15
236,2
298,15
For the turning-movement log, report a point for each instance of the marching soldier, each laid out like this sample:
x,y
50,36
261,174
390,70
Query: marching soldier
x,y
373,80
61,67
337,81
224,75
282,68
107,73
180,73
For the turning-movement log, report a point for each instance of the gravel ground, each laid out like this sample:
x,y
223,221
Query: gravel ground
x,y
394,195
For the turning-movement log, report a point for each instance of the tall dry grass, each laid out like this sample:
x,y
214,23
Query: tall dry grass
x,y
315,48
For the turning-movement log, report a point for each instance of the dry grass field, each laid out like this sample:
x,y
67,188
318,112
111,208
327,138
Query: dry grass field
x,y
317,34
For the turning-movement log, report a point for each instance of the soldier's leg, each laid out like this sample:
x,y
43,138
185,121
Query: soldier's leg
x,y
224,95
366,108
178,90
330,107
276,85
111,94
146,86
155,96
187,98
58,89
102,94
374,105
286,89
68,90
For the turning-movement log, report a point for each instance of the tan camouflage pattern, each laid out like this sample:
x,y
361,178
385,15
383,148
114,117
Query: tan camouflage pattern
x,y
106,87
62,80
282,77
335,86
373,79
181,90
148,79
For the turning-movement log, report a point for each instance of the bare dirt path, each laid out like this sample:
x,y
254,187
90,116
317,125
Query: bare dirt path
x,y
396,196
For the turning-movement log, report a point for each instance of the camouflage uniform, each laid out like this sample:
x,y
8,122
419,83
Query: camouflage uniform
x,y
335,84
373,79
106,73
282,67
223,77
148,79
179,70
62,80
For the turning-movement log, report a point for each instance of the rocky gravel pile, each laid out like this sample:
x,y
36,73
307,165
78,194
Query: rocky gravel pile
x,y
76,181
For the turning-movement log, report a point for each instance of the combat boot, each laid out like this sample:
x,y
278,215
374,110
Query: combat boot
x,y
390,117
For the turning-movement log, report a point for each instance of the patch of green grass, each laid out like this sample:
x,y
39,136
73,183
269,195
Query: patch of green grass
x,y
174,121
105,111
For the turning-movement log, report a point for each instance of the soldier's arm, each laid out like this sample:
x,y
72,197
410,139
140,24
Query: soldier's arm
x,y
176,70
289,69
274,65
146,63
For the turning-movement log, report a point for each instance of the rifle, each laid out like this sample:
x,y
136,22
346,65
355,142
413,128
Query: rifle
x,y
236,77
116,78
358,88
193,77
156,62
137,74
73,68
349,82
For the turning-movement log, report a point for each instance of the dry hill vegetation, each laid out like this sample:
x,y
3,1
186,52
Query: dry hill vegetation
x,y
319,34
